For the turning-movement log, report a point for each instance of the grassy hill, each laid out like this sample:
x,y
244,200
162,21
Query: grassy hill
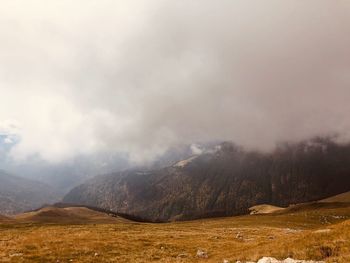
x,y
310,231
341,198
67,215
264,209
4,219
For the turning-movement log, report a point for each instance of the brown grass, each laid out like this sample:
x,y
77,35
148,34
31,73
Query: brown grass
x,y
294,235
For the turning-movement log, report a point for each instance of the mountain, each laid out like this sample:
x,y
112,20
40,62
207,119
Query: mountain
x,y
18,194
65,175
223,182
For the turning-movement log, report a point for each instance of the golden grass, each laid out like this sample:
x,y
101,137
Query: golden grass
x,y
344,197
237,238
68,215
265,209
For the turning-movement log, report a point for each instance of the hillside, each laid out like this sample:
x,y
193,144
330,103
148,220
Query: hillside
x,y
67,215
223,183
264,209
341,198
18,194
4,219
312,232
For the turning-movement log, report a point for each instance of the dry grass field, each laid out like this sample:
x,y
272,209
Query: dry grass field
x,y
316,231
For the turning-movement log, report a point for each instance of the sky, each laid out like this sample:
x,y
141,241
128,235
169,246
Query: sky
x,y
88,76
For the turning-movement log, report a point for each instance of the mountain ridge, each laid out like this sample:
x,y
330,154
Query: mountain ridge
x,y
225,182
18,194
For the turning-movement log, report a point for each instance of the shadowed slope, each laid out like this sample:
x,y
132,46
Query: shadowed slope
x,y
223,182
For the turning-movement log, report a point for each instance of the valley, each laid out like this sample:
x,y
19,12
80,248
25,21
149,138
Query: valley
x,y
174,131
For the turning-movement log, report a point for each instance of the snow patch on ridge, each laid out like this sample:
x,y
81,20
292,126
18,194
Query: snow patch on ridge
x,y
183,163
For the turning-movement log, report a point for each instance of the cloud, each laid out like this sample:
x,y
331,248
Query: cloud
x,y
88,76
9,127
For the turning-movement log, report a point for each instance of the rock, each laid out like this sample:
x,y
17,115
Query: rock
x,y
269,260
239,235
16,255
182,255
201,254
289,230
225,261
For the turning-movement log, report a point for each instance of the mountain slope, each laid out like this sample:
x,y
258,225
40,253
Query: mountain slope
x,y
18,194
225,182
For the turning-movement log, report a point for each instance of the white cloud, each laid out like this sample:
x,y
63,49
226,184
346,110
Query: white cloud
x,y
138,76
8,127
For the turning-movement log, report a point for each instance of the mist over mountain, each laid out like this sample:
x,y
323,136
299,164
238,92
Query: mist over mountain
x,y
223,182
19,194
139,77
118,115
92,88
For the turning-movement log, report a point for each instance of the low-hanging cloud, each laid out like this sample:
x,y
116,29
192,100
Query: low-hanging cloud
x,y
139,76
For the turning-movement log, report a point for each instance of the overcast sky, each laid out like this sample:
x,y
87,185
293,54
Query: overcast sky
x,y
83,76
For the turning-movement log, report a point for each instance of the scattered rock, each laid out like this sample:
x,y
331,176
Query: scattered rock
x,y
225,261
239,236
201,254
290,230
182,255
96,254
16,255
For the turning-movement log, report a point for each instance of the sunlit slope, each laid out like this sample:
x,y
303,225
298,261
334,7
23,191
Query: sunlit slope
x,y
67,215
315,232
4,219
341,198
264,209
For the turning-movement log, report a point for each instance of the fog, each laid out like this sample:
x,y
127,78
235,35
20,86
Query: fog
x,y
83,77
